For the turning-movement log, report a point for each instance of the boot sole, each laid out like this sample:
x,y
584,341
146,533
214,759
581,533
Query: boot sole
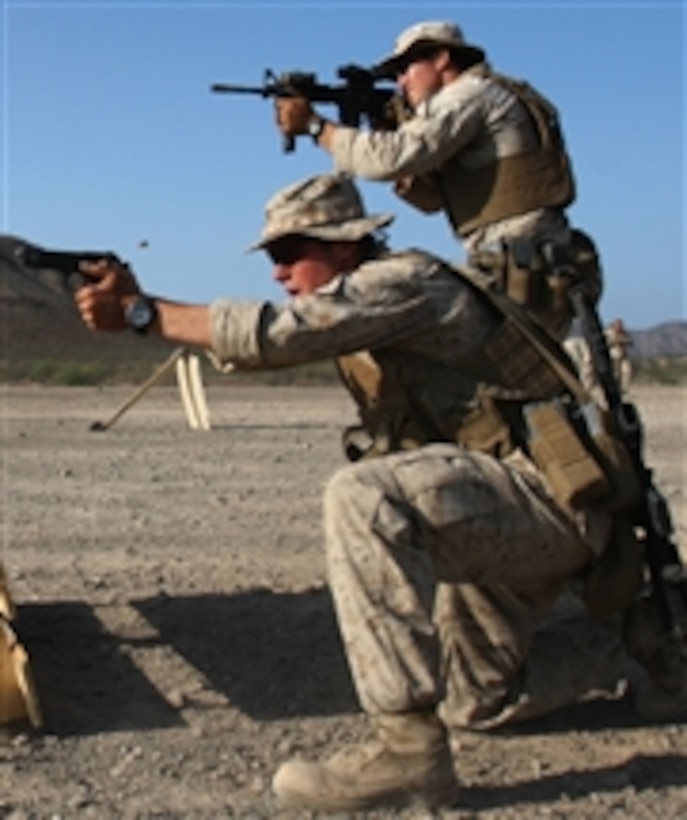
x,y
445,797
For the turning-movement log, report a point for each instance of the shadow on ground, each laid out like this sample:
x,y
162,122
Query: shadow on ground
x,y
272,655
640,773
85,681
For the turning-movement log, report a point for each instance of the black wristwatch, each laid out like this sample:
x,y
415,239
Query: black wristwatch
x,y
140,314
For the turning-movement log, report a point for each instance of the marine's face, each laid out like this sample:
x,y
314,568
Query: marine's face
x,y
421,75
302,264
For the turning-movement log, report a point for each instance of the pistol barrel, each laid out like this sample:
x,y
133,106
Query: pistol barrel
x,y
64,261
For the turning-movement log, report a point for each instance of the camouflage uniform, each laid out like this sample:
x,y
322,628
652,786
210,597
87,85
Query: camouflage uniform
x,y
619,342
444,558
475,122
442,561
443,125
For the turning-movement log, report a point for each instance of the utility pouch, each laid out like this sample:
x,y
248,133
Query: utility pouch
x,y
575,477
584,462
558,289
625,489
485,429
525,281
523,287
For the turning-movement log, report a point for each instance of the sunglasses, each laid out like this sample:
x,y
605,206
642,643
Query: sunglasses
x,y
287,251
415,55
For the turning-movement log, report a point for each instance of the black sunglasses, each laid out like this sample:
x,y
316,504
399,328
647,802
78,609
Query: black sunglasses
x,y
289,250
416,55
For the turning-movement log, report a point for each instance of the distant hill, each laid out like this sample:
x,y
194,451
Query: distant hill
x,y
665,340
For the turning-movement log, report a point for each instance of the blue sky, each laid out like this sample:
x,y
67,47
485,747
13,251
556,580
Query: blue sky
x,y
110,135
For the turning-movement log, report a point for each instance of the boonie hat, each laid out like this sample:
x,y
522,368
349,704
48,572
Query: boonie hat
x,y
421,35
326,206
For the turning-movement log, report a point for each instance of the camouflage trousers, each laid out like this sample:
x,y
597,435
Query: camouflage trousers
x,y
443,565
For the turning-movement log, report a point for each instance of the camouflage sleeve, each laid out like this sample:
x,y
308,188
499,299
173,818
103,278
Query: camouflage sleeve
x,y
476,116
371,307
423,143
235,331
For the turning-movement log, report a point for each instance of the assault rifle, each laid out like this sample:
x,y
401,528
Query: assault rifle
x,y
64,262
357,98
651,515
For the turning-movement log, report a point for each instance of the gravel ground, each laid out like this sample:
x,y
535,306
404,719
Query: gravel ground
x,y
171,592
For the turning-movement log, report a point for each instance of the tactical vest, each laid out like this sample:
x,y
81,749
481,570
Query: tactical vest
x,y
513,185
406,400
516,388
502,394
538,276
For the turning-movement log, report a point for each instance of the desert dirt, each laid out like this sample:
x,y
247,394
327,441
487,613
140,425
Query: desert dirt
x,y
171,592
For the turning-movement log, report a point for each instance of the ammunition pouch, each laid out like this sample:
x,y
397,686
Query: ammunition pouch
x,y
538,275
584,462
484,429
574,476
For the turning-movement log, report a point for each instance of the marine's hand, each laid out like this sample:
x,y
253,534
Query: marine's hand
x,y
101,302
293,115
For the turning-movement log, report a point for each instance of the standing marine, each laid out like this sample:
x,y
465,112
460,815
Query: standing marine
x,y
484,148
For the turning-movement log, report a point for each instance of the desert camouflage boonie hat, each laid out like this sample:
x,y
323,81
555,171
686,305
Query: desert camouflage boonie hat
x,y
420,36
325,207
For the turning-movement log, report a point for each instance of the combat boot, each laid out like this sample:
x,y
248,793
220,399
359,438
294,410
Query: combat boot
x,y
409,761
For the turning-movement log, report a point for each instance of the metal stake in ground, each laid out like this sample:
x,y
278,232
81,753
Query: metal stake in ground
x,y
157,374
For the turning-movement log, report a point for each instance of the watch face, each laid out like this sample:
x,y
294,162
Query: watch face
x,y
140,314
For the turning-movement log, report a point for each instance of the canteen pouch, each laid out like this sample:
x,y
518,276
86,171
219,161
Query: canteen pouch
x,y
574,475
583,461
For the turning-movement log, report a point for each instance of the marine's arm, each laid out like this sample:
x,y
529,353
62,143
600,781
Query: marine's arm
x,y
439,128
375,306
112,287
369,308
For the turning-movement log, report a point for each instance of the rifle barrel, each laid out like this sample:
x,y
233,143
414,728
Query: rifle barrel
x,y
224,88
